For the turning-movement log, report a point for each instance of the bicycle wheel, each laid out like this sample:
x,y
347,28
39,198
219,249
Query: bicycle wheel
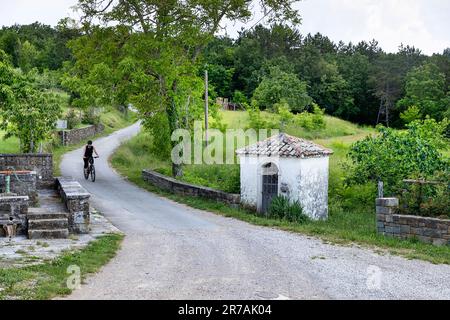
x,y
93,173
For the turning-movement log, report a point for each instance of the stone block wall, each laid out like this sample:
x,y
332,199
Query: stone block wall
x,y
22,184
17,208
425,229
183,188
76,199
68,137
42,164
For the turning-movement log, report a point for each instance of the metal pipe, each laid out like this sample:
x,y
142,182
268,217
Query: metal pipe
x,y
8,184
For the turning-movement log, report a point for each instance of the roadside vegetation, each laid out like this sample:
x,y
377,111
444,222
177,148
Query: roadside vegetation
x,y
49,280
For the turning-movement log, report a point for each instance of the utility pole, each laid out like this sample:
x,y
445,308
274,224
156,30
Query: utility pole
x,y
206,106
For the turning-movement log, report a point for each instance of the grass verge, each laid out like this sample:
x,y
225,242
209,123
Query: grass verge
x,y
48,280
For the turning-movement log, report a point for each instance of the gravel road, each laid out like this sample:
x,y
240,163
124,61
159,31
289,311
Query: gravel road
x,y
172,251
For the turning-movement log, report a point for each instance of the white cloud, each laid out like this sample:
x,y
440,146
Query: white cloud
x,y
422,23
29,11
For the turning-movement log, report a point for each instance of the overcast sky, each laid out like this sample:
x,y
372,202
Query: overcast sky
x,y
422,23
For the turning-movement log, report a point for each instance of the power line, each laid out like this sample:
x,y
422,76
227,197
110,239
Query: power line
x,y
268,12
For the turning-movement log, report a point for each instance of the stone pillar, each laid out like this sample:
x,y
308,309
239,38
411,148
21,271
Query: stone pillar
x,y
385,209
79,214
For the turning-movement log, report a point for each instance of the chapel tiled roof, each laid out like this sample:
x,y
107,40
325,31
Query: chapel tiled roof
x,y
284,145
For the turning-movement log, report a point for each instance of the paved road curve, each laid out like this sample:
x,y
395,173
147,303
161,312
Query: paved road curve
x,y
175,252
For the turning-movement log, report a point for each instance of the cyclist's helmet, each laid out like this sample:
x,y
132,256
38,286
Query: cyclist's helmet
x,y
89,143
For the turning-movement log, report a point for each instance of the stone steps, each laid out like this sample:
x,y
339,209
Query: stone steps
x,y
44,214
48,234
47,216
43,224
48,224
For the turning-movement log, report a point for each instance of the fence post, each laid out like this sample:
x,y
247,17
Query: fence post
x,y
380,189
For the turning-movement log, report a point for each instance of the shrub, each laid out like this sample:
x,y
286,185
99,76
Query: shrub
x,y
428,198
282,208
239,97
284,112
392,155
256,121
411,114
73,120
277,209
311,121
91,116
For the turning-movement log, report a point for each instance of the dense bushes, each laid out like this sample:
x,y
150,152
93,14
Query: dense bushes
x,y
283,117
311,121
282,208
427,198
91,116
392,155
73,119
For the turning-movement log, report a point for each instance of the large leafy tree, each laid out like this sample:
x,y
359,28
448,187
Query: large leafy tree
x,y
426,89
280,86
154,48
25,111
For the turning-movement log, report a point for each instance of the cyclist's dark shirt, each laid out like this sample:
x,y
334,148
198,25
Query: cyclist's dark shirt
x,y
89,151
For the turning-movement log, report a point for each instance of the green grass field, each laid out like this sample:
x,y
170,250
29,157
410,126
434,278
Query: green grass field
x,y
334,127
10,145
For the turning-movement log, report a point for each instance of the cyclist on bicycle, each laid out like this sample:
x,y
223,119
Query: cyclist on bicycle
x,y
89,151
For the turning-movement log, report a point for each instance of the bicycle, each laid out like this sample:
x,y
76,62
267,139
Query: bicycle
x,y
90,170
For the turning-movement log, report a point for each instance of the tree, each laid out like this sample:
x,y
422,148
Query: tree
x,y
25,111
218,57
386,83
248,61
27,56
355,69
281,86
425,89
157,49
394,155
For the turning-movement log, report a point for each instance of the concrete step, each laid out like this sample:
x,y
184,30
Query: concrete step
x,y
48,234
43,214
48,224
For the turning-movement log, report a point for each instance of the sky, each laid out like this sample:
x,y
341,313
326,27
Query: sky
x,y
424,24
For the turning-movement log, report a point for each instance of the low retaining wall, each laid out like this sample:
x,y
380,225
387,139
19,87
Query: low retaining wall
x,y
42,164
429,230
183,188
74,136
76,199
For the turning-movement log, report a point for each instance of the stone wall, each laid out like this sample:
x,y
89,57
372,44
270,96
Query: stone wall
x,y
68,137
42,164
76,199
21,183
17,208
429,230
183,188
